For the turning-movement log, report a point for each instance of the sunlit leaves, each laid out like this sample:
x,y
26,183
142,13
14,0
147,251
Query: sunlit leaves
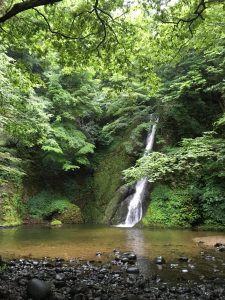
x,y
10,166
195,158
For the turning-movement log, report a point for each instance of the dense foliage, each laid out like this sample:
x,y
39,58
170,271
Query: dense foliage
x,y
47,205
171,207
191,157
79,81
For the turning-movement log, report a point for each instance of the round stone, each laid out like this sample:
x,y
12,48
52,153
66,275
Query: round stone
x,y
60,276
38,289
132,270
132,256
124,259
183,258
160,260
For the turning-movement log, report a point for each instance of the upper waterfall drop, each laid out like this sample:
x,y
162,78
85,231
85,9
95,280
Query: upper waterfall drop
x,y
135,212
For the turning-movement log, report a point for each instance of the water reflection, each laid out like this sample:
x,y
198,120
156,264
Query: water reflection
x,y
74,241
135,240
84,241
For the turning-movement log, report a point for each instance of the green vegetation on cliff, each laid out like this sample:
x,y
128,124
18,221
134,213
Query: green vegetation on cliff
x,y
11,188
188,171
106,180
79,80
11,212
171,207
48,205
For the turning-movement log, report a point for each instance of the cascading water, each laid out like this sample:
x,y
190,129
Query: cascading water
x,y
134,213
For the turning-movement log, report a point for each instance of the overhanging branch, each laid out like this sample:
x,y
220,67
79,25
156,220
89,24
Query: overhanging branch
x,y
61,34
104,18
197,14
23,6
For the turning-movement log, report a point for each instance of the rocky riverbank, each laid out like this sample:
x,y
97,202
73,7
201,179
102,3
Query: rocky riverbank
x,y
118,279
210,241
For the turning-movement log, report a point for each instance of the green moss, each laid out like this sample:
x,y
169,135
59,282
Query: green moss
x,y
56,222
10,204
47,203
172,207
106,180
3,268
71,215
114,211
78,189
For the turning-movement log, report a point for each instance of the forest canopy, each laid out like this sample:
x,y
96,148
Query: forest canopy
x,y
79,76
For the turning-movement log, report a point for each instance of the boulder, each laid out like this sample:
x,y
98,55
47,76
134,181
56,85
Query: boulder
x,y
38,289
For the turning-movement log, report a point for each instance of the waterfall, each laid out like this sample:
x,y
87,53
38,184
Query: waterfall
x,y
134,213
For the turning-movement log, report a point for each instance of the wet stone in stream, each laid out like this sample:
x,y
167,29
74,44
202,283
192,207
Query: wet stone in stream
x,y
220,247
38,289
160,260
48,279
183,258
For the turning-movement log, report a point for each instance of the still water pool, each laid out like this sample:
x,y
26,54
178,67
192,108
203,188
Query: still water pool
x,y
83,241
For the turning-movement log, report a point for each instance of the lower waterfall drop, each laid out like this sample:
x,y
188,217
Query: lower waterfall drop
x,y
134,213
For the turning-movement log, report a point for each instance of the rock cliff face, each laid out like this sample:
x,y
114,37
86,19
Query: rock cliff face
x,y
11,185
107,182
117,207
10,204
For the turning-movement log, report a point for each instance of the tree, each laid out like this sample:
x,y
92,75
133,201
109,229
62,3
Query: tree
x,y
90,23
20,7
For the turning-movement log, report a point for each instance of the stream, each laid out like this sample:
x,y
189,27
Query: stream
x,y
84,241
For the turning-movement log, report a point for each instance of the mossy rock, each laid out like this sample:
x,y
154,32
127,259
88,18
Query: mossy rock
x,y
48,205
113,215
107,179
71,215
56,223
10,204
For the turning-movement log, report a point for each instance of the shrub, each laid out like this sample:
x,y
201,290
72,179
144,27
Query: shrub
x,y
171,207
213,205
71,215
46,204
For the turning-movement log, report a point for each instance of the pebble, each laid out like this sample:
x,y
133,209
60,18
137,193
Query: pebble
x,y
132,256
160,260
132,270
183,258
184,270
60,276
24,279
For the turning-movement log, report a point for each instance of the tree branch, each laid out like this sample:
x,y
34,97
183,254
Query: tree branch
x,y
99,12
60,33
96,10
104,18
197,14
23,6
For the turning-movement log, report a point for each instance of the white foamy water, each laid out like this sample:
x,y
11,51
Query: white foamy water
x,y
135,212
